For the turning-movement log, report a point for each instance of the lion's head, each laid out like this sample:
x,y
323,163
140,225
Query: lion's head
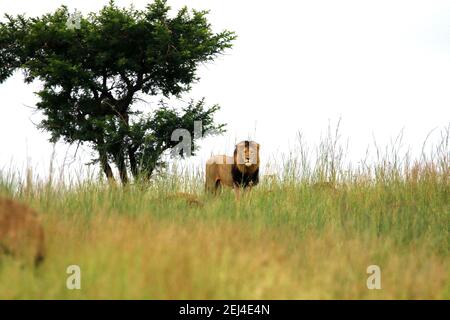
x,y
246,157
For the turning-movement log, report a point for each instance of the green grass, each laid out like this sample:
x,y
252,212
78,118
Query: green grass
x,y
308,234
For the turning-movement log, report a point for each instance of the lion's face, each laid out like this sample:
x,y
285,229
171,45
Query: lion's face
x,y
246,156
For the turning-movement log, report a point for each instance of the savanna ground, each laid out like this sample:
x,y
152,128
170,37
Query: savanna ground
x,y
309,233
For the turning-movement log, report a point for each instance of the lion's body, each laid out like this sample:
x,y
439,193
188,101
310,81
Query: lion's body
x,y
21,232
219,172
239,171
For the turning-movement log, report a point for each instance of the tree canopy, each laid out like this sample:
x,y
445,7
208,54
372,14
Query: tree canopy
x,y
94,72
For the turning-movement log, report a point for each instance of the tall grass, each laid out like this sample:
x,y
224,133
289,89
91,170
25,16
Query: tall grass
x,y
308,232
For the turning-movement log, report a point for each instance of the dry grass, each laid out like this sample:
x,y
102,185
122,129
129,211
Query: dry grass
x,y
126,258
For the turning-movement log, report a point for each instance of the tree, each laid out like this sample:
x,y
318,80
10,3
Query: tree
x,y
94,72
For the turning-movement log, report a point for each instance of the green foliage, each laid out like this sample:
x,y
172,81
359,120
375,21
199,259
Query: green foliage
x,y
92,75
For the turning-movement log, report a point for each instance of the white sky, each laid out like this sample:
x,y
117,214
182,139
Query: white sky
x,y
381,66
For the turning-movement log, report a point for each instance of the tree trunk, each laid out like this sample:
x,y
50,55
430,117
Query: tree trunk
x,y
148,174
121,165
105,166
120,158
133,163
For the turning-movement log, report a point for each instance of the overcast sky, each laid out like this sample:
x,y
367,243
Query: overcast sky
x,y
380,66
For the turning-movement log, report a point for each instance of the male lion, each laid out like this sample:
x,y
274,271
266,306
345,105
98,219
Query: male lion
x,y
21,232
239,171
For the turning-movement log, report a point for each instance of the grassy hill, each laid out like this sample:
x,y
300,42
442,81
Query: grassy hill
x,y
292,237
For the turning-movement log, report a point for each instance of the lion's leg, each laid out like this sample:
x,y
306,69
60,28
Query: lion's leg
x,y
237,192
248,188
209,187
247,191
217,186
